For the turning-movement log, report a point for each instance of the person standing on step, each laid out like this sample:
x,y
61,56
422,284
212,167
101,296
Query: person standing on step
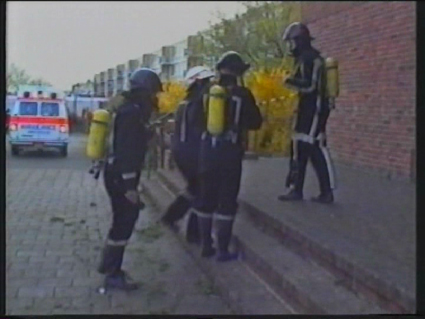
x,y
122,171
185,148
229,111
309,139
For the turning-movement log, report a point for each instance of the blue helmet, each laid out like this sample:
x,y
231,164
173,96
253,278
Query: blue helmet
x,y
147,79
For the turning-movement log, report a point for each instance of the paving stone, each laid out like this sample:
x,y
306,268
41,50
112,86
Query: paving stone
x,y
71,291
40,273
35,292
44,259
55,282
28,253
19,303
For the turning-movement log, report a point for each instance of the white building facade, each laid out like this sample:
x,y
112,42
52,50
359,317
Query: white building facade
x,y
171,63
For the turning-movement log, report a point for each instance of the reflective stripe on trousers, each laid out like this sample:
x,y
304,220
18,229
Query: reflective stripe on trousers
x,y
329,164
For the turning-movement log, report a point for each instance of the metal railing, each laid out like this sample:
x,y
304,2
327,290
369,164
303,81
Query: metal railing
x,y
155,155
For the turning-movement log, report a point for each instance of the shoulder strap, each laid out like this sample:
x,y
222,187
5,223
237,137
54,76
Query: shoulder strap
x,y
183,123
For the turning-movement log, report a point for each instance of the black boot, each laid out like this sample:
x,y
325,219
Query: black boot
x,y
120,280
291,196
111,259
205,226
324,198
224,234
110,265
192,230
176,210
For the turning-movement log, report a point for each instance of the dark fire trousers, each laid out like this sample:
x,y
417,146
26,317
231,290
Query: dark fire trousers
x,y
305,147
124,212
220,183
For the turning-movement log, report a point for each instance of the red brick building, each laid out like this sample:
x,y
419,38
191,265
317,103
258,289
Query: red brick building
x,y
373,125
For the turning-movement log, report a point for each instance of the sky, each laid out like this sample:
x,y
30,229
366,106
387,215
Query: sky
x,y
66,42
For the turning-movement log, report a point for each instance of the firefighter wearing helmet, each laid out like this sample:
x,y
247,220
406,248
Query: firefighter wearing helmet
x,y
185,148
229,110
122,171
309,139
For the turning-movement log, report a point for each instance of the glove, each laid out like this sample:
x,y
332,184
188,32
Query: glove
x,y
133,196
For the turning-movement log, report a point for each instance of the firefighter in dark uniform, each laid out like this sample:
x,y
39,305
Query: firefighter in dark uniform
x,y
220,162
309,139
185,148
122,171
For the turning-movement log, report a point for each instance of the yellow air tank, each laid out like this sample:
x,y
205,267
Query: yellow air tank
x,y
99,130
332,78
216,110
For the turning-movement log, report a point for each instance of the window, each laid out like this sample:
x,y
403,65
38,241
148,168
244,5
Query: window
x,y
49,109
28,108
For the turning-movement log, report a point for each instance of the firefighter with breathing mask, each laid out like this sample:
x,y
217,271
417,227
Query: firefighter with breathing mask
x,y
229,111
122,171
309,139
185,148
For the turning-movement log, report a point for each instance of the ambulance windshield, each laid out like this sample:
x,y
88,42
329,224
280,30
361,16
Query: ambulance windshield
x,y
49,109
28,108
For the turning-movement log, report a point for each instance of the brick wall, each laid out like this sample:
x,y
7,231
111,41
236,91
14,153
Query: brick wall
x,y
373,125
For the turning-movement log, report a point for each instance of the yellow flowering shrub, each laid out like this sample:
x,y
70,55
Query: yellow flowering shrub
x,y
277,104
174,93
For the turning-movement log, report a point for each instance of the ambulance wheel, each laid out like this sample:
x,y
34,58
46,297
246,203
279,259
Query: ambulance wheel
x,y
64,151
15,151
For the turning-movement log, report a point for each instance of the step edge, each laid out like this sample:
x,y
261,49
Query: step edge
x,y
232,302
333,262
299,298
349,271
317,304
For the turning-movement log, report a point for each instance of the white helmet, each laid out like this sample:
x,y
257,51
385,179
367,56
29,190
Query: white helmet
x,y
197,73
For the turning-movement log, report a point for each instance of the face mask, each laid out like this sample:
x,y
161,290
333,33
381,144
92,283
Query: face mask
x,y
228,79
292,47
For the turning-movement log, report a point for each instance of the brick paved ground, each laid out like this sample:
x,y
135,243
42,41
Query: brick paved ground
x,y
53,241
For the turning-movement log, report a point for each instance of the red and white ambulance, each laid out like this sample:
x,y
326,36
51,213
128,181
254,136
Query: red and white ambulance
x,y
39,121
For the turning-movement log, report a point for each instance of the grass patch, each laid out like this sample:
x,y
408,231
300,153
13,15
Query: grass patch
x,y
206,287
136,249
152,233
57,219
156,291
164,266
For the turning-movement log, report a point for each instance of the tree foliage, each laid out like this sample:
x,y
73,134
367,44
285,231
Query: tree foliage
x,y
256,34
15,76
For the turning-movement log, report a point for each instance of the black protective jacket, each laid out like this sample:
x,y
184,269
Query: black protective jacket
x,y
229,148
187,134
130,140
309,81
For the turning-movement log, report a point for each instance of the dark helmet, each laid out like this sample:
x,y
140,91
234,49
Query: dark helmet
x,y
147,79
232,61
297,30
298,38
